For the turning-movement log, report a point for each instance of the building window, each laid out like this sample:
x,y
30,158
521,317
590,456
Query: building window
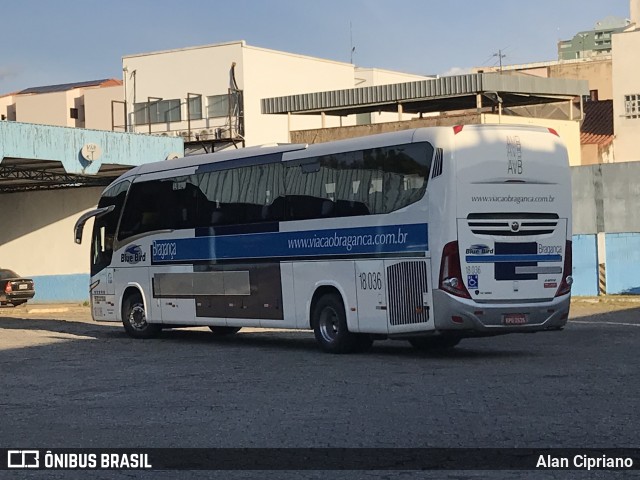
x,y
162,111
632,106
218,106
195,107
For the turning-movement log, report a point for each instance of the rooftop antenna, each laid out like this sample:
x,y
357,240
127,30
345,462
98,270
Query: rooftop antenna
x,y
353,49
500,56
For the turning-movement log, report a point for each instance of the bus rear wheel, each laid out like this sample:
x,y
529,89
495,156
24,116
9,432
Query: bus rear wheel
x,y
330,327
223,331
434,343
134,318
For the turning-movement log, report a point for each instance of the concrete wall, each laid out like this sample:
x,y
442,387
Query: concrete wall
x,y
626,81
331,134
605,198
37,240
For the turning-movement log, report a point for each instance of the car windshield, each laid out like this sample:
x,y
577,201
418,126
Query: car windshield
x,y
4,274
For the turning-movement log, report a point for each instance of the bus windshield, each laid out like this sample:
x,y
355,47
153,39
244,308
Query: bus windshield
x,y
104,227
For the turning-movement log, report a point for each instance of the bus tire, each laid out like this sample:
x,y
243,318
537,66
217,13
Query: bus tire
x,y
434,343
224,331
330,325
134,318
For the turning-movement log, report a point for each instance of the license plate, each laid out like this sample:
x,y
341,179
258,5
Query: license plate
x,y
23,286
515,319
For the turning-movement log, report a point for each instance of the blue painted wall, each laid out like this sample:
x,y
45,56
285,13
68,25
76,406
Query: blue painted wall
x,y
623,263
63,144
61,288
585,265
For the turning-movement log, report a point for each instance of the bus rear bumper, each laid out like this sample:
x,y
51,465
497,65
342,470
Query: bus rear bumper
x,y
469,318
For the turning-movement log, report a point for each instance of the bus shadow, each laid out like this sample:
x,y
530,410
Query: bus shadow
x,y
305,341
512,345
69,327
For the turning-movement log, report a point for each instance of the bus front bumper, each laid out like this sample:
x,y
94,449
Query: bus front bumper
x,y
466,317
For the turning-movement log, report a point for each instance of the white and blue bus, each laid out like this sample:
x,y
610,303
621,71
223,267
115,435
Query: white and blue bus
x,y
429,235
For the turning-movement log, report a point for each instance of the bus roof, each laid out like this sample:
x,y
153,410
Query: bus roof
x,y
404,136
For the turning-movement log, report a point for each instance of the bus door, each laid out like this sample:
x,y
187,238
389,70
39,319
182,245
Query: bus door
x,y
102,286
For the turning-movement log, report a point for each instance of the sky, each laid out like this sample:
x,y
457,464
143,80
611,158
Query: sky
x,y
48,42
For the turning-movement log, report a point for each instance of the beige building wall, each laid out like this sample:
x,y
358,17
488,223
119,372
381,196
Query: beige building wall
x,y
597,72
54,108
626,81
568,130
8,107
44,108
97,108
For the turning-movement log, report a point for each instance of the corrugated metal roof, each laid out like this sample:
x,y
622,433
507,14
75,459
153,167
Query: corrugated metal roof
x,y
445,93
69,86
597,127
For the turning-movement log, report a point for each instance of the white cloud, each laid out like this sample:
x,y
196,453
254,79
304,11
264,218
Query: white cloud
x,y
458,71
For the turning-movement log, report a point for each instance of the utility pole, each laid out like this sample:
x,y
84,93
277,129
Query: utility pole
x,y
500,56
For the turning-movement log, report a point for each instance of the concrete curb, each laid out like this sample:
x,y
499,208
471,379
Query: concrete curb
x,y
607,299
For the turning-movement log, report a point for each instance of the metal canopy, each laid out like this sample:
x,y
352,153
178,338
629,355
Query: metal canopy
x,y
19,175
459,92
47,157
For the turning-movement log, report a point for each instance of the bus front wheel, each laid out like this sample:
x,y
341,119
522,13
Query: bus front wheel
x,y
134,318
330,327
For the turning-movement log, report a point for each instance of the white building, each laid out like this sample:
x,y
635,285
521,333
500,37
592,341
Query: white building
x,y
212,93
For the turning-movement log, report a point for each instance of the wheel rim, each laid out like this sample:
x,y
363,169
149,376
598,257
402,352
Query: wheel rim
x,y
137,317
328,324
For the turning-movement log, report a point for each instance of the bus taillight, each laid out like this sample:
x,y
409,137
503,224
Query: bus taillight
x,y
450,272
567,279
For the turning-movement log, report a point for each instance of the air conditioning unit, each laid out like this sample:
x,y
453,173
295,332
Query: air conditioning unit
x,y
223,133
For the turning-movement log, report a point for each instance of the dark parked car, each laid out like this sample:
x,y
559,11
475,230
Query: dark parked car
x,y
14,289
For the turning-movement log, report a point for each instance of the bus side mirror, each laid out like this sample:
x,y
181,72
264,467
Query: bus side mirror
x,y
79,226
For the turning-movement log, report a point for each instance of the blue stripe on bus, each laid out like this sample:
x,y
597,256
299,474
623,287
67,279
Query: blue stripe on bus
x,y
512,258
313,243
